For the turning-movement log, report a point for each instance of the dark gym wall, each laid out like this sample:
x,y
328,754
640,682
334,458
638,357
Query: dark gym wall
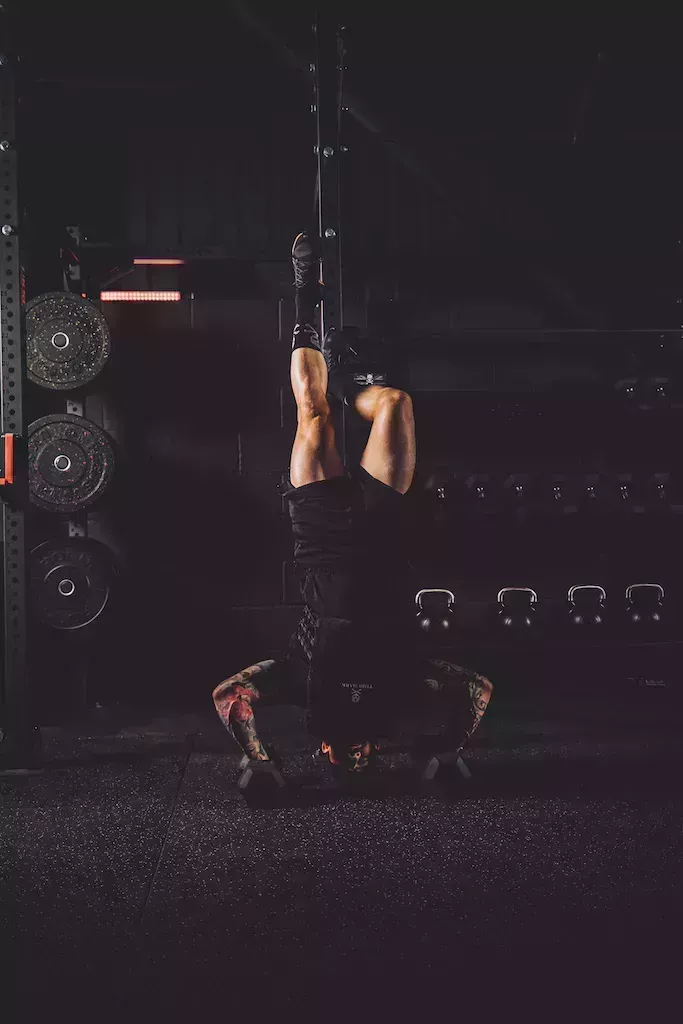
x,y
509,161
207,425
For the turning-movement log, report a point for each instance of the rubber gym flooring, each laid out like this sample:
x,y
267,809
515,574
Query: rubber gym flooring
x,y
138,884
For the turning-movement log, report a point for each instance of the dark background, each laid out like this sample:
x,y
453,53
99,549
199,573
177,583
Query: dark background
x,y
554,141
513,172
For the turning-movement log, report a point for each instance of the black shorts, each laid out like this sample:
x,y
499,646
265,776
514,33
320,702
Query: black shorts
x,y
339,521
350,548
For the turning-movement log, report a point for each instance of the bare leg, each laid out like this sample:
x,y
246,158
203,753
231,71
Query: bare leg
x,y
391,451
314,453
308,374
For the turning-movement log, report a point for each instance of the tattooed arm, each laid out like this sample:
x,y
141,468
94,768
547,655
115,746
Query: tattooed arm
x,y
233,700
464,696
480,690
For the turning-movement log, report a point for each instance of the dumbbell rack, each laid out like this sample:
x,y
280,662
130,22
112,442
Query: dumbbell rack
x,y
19,739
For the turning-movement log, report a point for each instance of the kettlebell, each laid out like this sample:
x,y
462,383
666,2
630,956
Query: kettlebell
x,y
440,623
513,618
586,616
645,603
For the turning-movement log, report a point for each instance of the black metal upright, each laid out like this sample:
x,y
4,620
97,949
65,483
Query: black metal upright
x,y
19,745
329,73
329,77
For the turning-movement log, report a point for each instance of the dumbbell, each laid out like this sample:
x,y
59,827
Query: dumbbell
x,y
483,495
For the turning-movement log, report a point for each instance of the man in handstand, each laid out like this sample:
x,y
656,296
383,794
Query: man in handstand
x,y
356,644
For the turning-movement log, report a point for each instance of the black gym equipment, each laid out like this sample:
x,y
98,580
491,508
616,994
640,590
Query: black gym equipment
x,y
261,782
71,462
439,622
328,76
67,341
484,494
517,607
434,767
645,604
433,761
586,604
20,740
71,582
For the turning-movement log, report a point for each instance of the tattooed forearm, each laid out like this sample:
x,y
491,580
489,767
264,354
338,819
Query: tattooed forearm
x,y
480,694
466,693
233,700
245,735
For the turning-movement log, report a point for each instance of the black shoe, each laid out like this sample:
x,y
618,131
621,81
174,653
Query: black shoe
x,y
336,352
304,327
351,367
305,263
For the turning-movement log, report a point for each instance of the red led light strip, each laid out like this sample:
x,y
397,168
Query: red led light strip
x,y
144,262
140,296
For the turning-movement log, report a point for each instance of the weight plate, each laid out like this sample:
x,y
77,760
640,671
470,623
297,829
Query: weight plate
x,y
67,341
71,582
71,462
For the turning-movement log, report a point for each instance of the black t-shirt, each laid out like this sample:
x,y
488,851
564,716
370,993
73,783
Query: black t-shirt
x,y
379,600
352,547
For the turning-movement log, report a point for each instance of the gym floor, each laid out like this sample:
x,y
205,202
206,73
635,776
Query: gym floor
x,y
138,880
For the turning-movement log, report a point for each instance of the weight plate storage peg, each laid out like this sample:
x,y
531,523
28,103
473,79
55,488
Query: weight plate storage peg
x,y
67,341
71,462
71,582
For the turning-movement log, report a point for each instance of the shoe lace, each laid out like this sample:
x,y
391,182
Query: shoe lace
x,y
301,269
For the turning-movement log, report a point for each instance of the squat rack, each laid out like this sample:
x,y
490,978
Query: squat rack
x,y
19,738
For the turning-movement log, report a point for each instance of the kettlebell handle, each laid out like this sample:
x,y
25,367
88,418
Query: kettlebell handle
x,y
517,590
586,586
635,586
437,590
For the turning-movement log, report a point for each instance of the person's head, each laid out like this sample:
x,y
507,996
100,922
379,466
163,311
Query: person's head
x,y
350,756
